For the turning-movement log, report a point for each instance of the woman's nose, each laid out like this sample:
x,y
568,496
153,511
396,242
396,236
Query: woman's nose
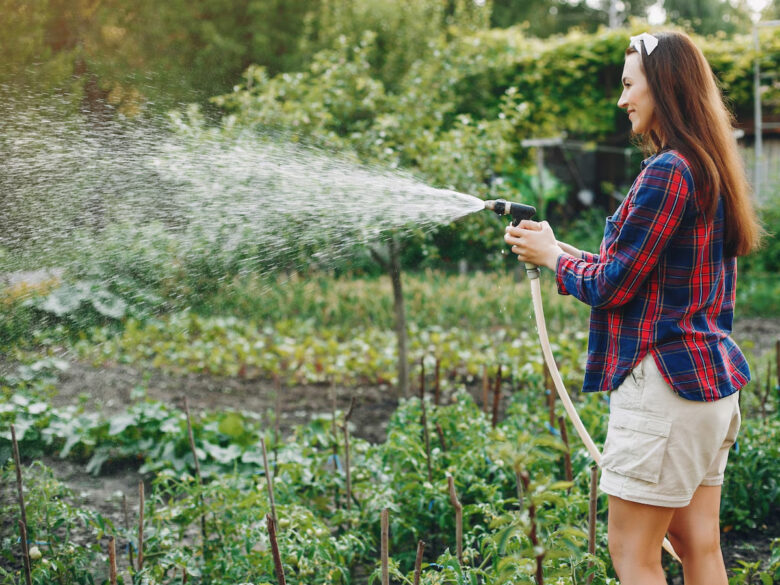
x,y
622,102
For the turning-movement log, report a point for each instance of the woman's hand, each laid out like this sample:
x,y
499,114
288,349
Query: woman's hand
x,y
534,242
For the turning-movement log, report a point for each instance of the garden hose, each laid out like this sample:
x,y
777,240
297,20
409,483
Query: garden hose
x,y
518,213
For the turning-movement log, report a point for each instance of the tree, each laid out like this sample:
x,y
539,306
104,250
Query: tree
x,y
708,17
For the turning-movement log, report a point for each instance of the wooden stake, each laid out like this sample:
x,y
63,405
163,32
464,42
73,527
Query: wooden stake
x,y
26,553
197,475
592,509
22,509
765,397
418,562
111,561
424,421
458,518
436,383
532,536
384,546
345,429
440,432
278,568
485,388
140,525
127,527
567,452
777,361
269,481
496,396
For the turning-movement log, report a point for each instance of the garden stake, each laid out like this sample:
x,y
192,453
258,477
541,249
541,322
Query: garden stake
x,y
777,363
424,420
334,432
526,479
485,388
496,396
765,397
184,576
418,562
140,525
458,518
567,452
278,407
592,509
437,382
518,213
548,389
269,481
345,429
198,476
440,432
127,528
26,553
278,569
23,521
111,561
385,527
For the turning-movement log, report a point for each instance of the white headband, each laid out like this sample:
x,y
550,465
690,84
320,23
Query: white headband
x,y
651,43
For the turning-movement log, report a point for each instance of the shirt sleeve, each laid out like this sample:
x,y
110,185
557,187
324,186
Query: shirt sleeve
x,y
656,210
588,257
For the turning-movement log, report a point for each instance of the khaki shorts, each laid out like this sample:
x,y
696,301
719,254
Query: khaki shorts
x,y
661,447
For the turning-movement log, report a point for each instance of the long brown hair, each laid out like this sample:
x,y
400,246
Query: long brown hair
x,y
692,118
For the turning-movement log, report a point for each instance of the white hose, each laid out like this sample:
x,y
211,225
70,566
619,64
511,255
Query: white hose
x,y
541,327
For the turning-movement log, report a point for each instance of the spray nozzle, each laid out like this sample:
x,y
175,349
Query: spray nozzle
x,y
518,211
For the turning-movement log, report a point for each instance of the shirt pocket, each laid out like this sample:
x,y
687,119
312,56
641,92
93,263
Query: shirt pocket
x,y
636,445
611,231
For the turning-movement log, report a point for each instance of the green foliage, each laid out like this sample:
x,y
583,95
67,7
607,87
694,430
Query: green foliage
x,y
751,495
68,536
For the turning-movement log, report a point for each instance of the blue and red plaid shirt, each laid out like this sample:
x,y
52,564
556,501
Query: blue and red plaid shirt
x,y
660,283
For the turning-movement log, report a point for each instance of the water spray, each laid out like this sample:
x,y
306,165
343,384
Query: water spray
x,y
519,212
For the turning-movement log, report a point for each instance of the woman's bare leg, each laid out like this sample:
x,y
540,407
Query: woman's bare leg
x,y
636,533
695,533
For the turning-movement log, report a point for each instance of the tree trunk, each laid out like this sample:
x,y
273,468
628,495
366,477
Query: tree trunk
x,y
400,318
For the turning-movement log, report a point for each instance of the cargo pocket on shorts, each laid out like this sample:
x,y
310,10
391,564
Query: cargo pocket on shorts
x,y
635,445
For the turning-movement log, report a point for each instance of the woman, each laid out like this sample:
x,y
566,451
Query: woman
x,y
662,295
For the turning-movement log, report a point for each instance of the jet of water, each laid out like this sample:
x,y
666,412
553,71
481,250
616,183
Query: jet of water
x,y
81,188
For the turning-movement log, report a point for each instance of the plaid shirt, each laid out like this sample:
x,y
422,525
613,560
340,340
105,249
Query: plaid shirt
x,y
660,284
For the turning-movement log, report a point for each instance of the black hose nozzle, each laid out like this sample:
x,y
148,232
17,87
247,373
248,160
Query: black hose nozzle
x,y
518,211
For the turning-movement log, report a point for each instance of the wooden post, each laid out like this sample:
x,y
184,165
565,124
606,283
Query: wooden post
x,y
140,525
592,509
777,361
269,480
532,536
26,552
127,527
345,429
550,392
424,421
197,475
458,518
567,452
278,568
418,562
485,388
440,432
111,561
496,396
384,546
437,382
22,509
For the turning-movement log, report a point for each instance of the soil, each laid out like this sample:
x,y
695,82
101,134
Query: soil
x,y
109,389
